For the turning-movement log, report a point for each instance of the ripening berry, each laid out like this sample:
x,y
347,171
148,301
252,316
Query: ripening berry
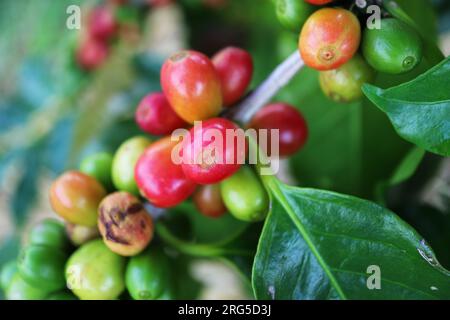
x,y
213,151
329,38
159,178
344,83
76,196
91,54
208,201
154,115
102,23
293,130
192,86
235,69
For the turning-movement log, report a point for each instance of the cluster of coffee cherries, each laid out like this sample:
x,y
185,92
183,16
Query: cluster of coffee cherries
x,y
102,28
195,90
94,46
110,195
346,47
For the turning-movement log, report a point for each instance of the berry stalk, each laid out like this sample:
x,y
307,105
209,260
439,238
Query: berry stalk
x,y
280,77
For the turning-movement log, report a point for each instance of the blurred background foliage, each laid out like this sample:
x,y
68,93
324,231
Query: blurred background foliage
x,y
52,114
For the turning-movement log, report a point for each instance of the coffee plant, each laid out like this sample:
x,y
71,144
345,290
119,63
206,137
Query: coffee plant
x,y
139,127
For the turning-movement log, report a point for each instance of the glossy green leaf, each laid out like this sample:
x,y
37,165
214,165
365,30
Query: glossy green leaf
x,y
319,245
403,172
419,109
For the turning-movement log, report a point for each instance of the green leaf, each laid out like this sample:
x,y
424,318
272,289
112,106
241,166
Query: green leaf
x,y
318,245
403,172
419,109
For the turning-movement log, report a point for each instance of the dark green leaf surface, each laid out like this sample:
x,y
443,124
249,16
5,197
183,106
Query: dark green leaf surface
x,y
318,245
419,109
403,172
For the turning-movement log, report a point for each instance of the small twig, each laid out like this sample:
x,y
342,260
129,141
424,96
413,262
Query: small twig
x,y
280,77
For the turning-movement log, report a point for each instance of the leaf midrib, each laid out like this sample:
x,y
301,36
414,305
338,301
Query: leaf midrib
x,y
273,185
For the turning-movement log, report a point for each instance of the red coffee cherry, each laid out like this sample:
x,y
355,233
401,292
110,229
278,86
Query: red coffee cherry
x,y
91,54
212,151
208,201
155,115
319,2
293,128
235,69
329,38
102,23
159,178
192,86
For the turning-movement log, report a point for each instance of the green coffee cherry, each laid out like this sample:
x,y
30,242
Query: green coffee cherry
x,y
19,289
344,83
43,267
62,295
395,48
124,162
49,232
147,275
99,167
292,14
94,272
7,273
245,196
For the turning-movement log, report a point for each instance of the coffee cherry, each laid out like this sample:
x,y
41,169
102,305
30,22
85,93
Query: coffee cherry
x,y
98,166
212,151
293,14
148,274
79,234
293,130
76,196
124,163
245,196
49,232
159,178
94,272
19,289
208,201
124,224
344,83
62,295
154,115
319,2
43,267
395,48
235,69
329,38
102,23
192,86
91,54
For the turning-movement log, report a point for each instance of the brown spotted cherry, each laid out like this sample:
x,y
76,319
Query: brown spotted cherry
x,y
124,224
